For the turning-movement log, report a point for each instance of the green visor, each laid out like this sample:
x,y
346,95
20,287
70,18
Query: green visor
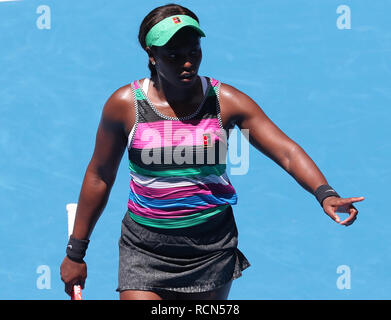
x,y
163,31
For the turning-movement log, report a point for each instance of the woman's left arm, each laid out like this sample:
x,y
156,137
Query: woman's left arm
x,y
239,109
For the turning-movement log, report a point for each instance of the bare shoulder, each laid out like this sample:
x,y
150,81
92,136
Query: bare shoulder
x,y
228,90
119,108
236,105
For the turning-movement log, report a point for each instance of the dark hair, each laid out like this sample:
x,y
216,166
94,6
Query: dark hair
x,y
157,15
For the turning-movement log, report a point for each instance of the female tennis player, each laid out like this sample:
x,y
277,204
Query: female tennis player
x,y
179,237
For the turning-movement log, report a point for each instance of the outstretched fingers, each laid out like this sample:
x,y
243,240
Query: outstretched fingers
x,y
344,204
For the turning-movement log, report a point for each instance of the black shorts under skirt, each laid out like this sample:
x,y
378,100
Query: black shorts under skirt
x,y
193,259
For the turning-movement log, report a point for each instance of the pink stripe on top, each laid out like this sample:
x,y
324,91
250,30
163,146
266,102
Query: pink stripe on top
x,y
164,133
214,82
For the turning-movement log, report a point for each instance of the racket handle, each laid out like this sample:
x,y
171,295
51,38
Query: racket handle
x,y
76,293
71,212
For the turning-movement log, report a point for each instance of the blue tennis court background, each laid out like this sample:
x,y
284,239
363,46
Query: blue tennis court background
x,y
328,89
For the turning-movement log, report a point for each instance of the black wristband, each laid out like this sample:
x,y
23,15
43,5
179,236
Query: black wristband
x,y
76,249
323,192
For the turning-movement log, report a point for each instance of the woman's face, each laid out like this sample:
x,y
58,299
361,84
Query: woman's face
x,y
179,59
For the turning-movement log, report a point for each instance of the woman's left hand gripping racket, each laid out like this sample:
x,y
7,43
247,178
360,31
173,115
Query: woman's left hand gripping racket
x,y
71,211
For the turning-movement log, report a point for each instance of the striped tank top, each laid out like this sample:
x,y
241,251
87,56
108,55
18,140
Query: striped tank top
x,y
178,165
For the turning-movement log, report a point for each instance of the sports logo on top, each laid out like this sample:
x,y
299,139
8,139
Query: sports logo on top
x,y
207,139
176,20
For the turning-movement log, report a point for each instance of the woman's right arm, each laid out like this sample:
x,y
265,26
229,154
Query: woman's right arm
x,y
111,140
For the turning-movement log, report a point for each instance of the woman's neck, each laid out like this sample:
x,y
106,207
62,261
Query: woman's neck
x,y
173,95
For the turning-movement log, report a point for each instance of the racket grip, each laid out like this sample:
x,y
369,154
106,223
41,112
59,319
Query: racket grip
x,y
76,293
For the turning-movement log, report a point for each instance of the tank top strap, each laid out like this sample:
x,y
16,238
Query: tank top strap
x,y
146,85
204,84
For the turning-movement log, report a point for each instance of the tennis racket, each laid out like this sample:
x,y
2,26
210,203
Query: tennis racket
x,y
71,212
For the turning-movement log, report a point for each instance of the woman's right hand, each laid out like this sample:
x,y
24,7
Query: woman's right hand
x,y
73,273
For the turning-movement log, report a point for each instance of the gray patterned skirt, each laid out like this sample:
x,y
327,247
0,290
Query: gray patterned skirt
x,y
193,259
